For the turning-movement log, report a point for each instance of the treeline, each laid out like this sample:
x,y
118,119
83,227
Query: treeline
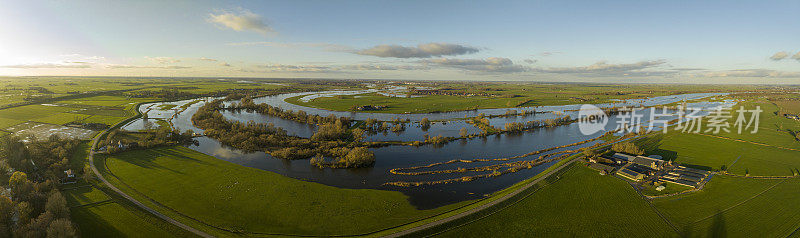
x,y
118,141
34,207
247,103
628,148
330,140
519,126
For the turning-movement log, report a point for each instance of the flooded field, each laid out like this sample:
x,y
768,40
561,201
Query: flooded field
x,y
29,130
391,157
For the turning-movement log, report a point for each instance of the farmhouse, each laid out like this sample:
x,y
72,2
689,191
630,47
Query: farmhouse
x,y
604,169
69,177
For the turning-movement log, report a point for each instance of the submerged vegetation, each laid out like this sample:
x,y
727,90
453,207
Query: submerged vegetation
x,y
332,138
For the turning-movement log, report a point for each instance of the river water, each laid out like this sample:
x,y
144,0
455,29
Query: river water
x,y
387,158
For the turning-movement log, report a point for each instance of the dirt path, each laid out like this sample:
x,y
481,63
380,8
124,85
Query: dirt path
x,y
482,207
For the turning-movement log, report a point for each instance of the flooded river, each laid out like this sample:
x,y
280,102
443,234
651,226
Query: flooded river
x,y
387,158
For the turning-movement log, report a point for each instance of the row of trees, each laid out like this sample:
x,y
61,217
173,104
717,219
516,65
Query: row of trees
x,y
347,158
117,141
34,207
627,147
519,126
247,103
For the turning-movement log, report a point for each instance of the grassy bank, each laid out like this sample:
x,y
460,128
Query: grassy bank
x,y
223,198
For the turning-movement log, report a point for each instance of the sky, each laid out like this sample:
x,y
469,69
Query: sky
x,y
570,41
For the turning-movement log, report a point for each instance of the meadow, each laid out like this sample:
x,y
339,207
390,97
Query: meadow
x,y
736,207
581,203
221,197
99,215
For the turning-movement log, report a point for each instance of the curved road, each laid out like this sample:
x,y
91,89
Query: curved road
x,y
131,199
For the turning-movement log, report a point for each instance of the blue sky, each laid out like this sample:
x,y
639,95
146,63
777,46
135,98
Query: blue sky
x,y
580,41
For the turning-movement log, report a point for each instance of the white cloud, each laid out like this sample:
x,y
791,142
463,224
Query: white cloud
x,y
420,51
207,59
224,64
530,61
244,20
796,56
779,56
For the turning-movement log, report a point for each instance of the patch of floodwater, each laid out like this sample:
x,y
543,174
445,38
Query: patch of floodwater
x,y
29,130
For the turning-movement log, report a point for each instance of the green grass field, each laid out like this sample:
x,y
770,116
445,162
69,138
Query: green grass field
x,y
97,215
62,118
426,104
107,101
773,127
581,203
31,112
715,153
736,207
5,122
234,197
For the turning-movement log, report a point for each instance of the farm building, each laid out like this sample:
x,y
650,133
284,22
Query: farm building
x,y
630,174
69,177
621,156
652,163
604,169
685,176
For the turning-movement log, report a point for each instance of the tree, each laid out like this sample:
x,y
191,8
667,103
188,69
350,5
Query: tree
x,y
627,147
357,157
463,132
358,134
88,174
60,228
18,181
425,124
24,211
57,205
6,212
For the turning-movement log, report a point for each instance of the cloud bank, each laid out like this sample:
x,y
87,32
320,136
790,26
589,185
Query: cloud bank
x,y
420,51
605,68
489,65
